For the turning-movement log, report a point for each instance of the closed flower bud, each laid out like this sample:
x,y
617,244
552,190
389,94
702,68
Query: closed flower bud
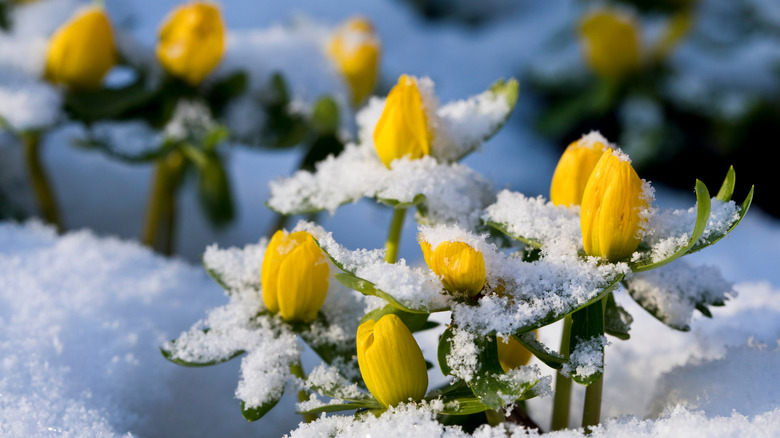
x,y
294,276
192,41
402,129
574,168
461,267
355,50
82,50
512,354
391,362
611,43
611,208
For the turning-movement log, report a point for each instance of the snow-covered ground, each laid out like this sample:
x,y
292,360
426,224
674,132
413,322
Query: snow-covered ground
x,y
82,315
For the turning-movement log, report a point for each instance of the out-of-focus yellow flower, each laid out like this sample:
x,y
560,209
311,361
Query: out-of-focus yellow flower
x,y
611,43
391,362
355,50
294,276
402,129
573,171
611,207
512,354
461,267
192,41
82,50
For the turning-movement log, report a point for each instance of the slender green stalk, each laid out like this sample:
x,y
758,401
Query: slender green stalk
x,y
159,225
394,235
303,395
47,203
591,412
494,418
562,399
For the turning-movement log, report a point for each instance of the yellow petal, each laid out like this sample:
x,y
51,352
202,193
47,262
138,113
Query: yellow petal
x,y
302,281
427,252
573,171
512,354
611,43
82,50
390,361
402,129
611,206
461,267
355,50
191,41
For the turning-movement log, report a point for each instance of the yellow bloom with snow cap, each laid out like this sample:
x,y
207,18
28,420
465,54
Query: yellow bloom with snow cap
x,y
82,50
192,41
611,208
355,50
402,129
512,354
390,361
573,170
294,276
461,267
611,43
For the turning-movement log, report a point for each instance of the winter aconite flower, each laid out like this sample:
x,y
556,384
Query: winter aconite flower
x,y
611,208
391,362
355,50
82,50
611,43
192,41
402,130
574,168
461,267
294,276
512,354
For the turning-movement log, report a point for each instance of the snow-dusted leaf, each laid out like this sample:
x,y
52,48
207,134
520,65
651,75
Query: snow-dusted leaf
x,y
413,321
366,287
171,352
235,268
549,357
396,204
339,407
256,413
586,355
717,235
458,399
617,321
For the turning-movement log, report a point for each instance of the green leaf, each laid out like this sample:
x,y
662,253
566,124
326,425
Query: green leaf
x,y
458,399
538,349
727,188
617,321
149,155
171,356
367,288
414,321
587,325
109,103
444,349
226,89
396,204
214,191
256,413
322,147
325,115
702,217
503,228
715,237
367,404
490,384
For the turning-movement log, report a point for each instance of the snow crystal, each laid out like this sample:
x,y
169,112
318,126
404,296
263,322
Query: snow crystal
x,y
673,291
463,357
587,358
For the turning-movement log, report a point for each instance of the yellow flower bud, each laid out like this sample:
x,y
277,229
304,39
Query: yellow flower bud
x,y
611,206
573,171
192,41
512,354
402,129
611,43
294,276
82,50
461,267
391,362
355,50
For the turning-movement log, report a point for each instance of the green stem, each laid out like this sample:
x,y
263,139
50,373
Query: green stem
x,y
494,418
303,395
562,400
591,412
159,225
47,203
394,235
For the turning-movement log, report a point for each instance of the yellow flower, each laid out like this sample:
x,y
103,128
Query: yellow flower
x,y
82,50
294,276
391,362
512,354
192,41
402,129
461,267
611,206
355,50
611,43
573,171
